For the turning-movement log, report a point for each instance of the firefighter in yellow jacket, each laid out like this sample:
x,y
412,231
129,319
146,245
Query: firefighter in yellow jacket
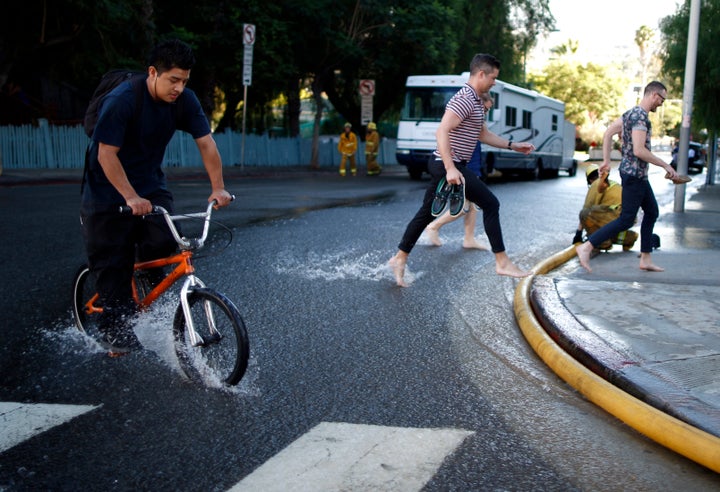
x,y
372,145
347,148
603,204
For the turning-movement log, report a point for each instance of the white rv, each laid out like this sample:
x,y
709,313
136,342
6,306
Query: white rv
x,y
518,114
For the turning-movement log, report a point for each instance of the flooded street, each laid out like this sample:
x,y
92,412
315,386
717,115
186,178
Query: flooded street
x,y
334,341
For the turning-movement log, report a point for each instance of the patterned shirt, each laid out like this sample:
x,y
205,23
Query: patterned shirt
x,y
634,119
469,108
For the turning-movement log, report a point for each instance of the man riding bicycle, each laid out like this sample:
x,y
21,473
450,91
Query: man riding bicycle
x,y
134,126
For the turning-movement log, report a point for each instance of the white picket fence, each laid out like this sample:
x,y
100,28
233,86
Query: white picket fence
x,y
62,147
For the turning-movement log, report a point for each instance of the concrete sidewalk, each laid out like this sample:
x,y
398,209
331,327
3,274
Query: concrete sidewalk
x,y
654,335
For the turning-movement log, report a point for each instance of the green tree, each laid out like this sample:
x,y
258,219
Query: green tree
x,y
593,94
643,39
68,44
674,29
508,30
567,49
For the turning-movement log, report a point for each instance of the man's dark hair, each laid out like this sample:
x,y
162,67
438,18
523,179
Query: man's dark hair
x,y
484,62
654,87
171,54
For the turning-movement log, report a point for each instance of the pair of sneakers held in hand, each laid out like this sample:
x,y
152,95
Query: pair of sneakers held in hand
x,y
451,197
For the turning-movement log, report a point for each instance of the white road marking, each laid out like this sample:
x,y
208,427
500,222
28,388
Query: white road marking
x,y
21,421
340,456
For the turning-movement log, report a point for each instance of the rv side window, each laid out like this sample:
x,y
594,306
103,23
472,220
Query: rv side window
x,y
490,116
527,120
510,116
426,103
554,123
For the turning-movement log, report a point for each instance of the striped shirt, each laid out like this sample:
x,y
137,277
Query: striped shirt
x,y
469,108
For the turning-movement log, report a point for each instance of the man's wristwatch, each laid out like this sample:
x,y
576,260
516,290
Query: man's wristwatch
x,y
509,144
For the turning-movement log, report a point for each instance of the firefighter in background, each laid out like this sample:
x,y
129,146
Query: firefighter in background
x,y
372,145
603,204
347,148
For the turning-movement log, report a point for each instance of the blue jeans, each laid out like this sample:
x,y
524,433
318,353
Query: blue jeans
x,y
475,190
636,194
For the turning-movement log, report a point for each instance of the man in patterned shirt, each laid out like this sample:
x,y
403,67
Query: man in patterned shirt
x,y
636,190
461,127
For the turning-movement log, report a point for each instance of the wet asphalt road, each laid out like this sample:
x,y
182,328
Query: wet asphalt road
x,y
333,340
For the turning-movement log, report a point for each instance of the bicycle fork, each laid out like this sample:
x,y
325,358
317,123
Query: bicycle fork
x,y
196,340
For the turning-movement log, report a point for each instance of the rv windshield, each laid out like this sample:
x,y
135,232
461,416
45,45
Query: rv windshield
x,y
426,103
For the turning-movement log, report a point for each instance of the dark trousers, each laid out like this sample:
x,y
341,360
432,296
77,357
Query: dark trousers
x,y
475,190
114,242
636,194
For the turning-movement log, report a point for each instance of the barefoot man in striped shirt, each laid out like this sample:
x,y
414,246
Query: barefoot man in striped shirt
x,y
462,125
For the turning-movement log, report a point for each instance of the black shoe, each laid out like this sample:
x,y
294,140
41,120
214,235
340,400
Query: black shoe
x,y
441,198
655,241
457,200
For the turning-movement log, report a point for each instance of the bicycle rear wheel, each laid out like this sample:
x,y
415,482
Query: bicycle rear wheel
x,y
83,291
224,349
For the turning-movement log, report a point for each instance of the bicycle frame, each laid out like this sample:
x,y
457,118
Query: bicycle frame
x,y
183,268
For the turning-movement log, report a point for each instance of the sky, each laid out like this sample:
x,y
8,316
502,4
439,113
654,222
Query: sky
x,y
605,30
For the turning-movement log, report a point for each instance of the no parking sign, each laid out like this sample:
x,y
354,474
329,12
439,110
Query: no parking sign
x,y
366,87
248,41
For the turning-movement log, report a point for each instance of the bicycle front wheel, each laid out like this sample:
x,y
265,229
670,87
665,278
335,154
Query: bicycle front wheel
x,y
223,349
84,301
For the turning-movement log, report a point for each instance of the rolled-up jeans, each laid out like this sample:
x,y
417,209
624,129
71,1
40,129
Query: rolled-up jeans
x,y
636,194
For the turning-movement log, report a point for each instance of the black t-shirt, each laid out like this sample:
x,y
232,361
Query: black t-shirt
x,y
142,138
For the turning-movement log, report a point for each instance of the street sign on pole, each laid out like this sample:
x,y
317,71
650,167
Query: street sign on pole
x,y
366,88
248,42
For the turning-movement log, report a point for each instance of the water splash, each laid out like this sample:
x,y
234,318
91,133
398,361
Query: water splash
x,y
348,265
153,329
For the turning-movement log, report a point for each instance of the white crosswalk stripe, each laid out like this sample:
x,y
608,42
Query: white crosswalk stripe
x,y
339,456
21,421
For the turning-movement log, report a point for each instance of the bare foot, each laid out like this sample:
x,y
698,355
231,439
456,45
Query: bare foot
x,y
398,267
647,264
583,253
510,270
474,244
433,235
651,268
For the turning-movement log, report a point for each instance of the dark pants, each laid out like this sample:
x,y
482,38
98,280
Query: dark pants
x,y
475,190
114,242
636,194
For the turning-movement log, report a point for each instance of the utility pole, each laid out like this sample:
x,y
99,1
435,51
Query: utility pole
x,y
688,89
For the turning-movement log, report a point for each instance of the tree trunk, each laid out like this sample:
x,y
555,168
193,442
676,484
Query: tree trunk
x,y
293,107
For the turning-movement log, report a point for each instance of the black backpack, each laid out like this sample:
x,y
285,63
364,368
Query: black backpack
x,y
108,82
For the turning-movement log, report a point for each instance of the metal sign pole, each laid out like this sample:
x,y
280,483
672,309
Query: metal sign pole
x,y
242,145
688,89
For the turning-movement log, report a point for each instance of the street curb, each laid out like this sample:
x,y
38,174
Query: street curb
x,y
628,374
695,444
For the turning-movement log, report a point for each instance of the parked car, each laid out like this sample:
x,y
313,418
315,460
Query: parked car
x,y
697,157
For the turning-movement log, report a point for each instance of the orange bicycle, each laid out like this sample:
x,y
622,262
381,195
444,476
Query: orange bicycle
x,y
209,332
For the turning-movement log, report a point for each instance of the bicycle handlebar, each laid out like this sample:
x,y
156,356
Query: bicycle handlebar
x,y
183,242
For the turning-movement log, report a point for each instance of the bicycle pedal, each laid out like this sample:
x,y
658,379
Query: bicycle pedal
x,y
118,354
